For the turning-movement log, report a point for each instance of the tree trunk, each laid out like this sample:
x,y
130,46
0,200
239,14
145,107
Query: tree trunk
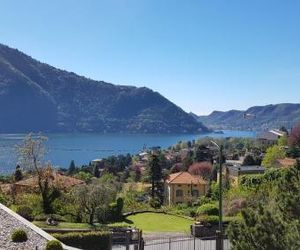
x,y
91,220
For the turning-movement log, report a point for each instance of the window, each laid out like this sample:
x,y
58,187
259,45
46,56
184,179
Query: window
x,y
179,193
195,193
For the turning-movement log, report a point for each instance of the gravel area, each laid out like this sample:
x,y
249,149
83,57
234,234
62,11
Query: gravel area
x,y
8,224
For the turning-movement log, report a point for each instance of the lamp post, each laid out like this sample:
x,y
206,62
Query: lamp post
x,y
219,241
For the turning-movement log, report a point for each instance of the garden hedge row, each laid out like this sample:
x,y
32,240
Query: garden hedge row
x,y
86,240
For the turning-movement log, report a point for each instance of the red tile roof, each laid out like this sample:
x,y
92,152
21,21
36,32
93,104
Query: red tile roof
x,y
185,178
57,180
286,162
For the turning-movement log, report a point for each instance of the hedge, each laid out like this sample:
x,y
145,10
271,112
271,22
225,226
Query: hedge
x,y
208,209
97,240
25,211
214,220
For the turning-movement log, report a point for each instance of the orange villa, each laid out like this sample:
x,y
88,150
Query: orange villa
x,y
183,187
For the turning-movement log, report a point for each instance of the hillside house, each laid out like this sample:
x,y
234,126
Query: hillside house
x,y
183,187
269,138
234,173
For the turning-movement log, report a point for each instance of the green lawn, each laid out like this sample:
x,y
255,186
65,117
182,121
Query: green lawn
x,y
158,222
148,222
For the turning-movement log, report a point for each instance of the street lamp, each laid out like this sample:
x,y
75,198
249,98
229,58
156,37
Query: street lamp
x,y
220,231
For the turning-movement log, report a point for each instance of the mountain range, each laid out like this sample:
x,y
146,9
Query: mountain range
x,y
256,118
35,96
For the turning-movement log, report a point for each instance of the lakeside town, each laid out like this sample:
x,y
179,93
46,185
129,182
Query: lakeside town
x,y
149,125
171,193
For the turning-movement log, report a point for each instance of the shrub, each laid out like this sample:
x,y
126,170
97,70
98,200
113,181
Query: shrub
x,y
54,245
34,201
26,212
19,235
183,209
155,203
233,207
90,240
204,200
208,209
116,209
192,212
3,199
214,220
204,169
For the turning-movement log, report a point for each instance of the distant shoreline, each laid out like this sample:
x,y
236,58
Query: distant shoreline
x,y
84,147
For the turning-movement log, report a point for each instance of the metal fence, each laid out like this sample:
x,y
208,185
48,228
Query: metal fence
x,y
186,243
189,243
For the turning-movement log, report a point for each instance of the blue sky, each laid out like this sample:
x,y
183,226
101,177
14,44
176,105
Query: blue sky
x,y
202,55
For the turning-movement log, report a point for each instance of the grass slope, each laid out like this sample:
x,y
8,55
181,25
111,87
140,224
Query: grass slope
x,y
158,222
148,222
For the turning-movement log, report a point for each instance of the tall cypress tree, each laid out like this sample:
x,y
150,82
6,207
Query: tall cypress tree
x,y
18,173
72,167
155,172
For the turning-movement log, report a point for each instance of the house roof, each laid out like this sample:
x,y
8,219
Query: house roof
x,y
97,160
185,178
286,162
268,135
278,132
58,179
240,170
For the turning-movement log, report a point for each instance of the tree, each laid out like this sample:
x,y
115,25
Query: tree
x,y
187,161
249,161
31,156
178,167
94,199
96,171
203,169
72,168
18,173
283,129
136,173
84,176
293,152
202,153
259,229
294,138
283,141
155,173
271,220
273,154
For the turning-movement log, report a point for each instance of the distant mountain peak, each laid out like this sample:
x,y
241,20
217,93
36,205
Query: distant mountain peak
x,y
259,117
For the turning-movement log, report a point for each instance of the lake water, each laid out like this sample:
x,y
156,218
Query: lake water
x,y
83,148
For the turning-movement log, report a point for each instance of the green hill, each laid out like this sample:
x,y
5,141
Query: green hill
x,y
35,96
254,118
